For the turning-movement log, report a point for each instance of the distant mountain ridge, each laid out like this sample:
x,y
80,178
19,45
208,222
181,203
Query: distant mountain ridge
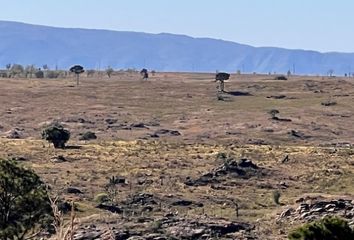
x,y
33,44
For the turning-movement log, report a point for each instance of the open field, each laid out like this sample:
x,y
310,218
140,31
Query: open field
x,y
165,134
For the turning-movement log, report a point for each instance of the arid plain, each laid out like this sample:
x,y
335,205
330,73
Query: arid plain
x,y
190,166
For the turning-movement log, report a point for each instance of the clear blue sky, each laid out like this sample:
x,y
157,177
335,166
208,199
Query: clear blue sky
x,y
323,25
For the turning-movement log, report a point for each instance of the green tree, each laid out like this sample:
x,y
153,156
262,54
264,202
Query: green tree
x,y
16,70
45,67
109,71
56,134
39,74
30,70
328,228
24,203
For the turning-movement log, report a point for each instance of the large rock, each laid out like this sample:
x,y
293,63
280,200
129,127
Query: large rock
x,y
73,190
319,208
110,207
230,168
14,133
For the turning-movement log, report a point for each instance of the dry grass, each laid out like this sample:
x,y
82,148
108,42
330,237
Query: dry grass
x,y
187,103
64,230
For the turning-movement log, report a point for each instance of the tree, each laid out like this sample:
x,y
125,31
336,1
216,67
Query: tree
x,y
45,67
328,228
30,69
288,73
39,74
90,72
330,72
109,71
16,69
56,134
8,66
273,113
77,69
221,77
24,203
144,73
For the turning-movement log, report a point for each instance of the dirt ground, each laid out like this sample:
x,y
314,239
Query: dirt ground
x,y
159,133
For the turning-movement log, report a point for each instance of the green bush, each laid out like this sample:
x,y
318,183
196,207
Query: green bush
x,y
53,74
276,197
101,198
328,228
39,74
56,134
24,203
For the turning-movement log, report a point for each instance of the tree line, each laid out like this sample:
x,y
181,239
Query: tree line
x,y
32,71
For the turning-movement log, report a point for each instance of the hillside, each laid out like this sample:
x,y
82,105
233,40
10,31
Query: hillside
x,y
33,44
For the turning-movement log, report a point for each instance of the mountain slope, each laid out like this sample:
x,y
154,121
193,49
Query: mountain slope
x,y
33,44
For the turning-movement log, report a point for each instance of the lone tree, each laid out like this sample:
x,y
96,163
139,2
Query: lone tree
x,y
16,70
77,69
330,72
24,203
273,113
56,134
109,71
144,73
221,77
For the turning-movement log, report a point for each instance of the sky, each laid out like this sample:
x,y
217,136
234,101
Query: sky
x,y
321,25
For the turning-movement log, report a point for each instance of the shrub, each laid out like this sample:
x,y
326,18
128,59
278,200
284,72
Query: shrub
x,y
53,74
276,197
56,134
222,156
328,228
109,71
39,74
101,198
281,77
90,72
24,203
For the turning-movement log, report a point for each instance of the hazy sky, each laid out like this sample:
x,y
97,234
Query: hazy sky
x,y
324,25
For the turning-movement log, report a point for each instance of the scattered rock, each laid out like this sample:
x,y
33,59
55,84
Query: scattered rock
x,y
185,203
298,134
246,163
141,199
19,158
328,103
15,133
138,125
318,209
65,206
77,120
170,227
205,229
244,169
277,96
167,132
73,190
118,180
110,207
58,159
111,120
88,136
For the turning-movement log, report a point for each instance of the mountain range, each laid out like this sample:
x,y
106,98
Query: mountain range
x,y
96,49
